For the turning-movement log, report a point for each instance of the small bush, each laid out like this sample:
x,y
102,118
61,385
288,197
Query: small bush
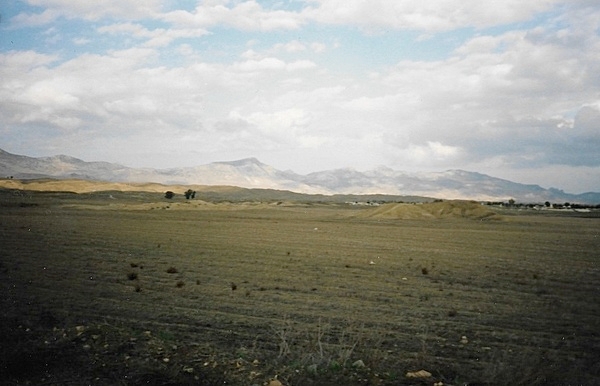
x,y
424,271
180,284
172,270
132,276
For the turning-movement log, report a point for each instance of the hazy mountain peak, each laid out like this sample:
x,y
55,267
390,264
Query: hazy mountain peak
x,y
64,158
242,162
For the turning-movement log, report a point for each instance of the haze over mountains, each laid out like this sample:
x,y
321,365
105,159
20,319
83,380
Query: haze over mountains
x,y
251,173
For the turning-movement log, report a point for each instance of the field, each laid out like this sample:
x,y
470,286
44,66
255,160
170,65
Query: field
x,y
130,288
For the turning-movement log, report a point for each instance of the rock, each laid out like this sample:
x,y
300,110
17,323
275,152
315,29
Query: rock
x,y
312,369
275,382
464,340
418,374
359,363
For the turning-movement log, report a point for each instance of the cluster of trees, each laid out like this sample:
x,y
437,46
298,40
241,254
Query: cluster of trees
x,y
188,194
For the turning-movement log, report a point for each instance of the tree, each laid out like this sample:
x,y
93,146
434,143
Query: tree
x,y
169,195
189,194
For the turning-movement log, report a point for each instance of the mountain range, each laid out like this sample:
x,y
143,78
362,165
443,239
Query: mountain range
x,y
251,173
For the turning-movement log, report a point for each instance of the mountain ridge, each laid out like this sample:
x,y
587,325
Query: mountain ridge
x,y
252,173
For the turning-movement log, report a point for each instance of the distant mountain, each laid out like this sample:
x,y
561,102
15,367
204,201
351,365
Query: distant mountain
x,y
251,173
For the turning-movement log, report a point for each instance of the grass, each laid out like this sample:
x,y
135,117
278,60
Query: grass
x,y
288,291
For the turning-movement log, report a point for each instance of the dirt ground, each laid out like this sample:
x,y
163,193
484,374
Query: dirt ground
x,y
130,288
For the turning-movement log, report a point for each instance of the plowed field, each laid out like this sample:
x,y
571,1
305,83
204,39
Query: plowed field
x,y
131,288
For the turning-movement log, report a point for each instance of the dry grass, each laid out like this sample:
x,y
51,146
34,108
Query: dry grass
x,y
308,303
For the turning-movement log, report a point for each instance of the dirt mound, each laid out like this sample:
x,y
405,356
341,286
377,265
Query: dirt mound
x,y
434,210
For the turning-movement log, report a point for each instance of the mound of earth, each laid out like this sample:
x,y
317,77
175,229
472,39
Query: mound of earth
x,y
434,210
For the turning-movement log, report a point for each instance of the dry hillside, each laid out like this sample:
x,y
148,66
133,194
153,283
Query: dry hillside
x,y
85,186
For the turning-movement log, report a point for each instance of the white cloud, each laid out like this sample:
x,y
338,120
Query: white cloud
x,y
89,10
428,155
155,38
270,64
382,104
81,41
267,64
283,125
434,15
293,46
37,19
318,47
13,63
300,65
245,15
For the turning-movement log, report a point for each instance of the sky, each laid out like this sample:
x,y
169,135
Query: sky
x,y
507,88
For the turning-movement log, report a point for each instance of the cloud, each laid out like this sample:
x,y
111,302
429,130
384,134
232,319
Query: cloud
x,y
81,41
587,121
437,15
244,15
159,37
34,20
432,154
292,46
261,65
88,10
